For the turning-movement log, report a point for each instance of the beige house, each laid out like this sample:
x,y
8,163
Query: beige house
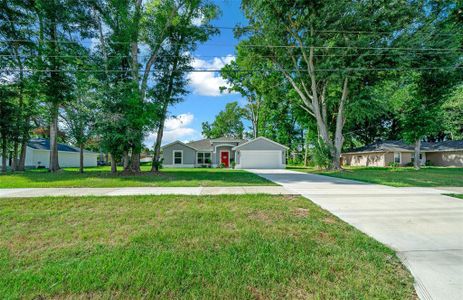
x,y
382,154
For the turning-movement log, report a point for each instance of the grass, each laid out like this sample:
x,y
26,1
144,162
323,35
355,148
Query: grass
x,y
460,196
399,177
101,177
221,247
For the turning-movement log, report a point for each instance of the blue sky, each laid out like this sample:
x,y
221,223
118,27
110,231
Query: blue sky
x,y
205,101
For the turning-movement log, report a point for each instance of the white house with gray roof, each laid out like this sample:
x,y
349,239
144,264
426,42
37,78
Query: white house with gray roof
x,y
259,153
38,155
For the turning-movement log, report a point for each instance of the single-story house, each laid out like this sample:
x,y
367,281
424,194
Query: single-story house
x,y
259,153
38,155
381,154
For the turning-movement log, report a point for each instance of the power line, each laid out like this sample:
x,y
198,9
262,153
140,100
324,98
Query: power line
x,y
262,46
242,70
218,56
325,31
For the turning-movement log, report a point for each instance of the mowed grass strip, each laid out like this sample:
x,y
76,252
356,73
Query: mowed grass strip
x,y
222,247
398,177
101,177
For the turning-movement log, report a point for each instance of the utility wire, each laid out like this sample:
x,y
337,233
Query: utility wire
x,y
214,56
326,31
263,46
243,70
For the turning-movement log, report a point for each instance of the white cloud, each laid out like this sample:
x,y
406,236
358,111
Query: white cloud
x,y
175,128
208,83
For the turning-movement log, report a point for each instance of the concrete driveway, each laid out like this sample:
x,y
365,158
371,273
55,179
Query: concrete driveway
x,y
423,226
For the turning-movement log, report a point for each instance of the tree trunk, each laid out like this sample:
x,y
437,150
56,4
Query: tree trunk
x,y
157,145
22,155
126,160
4,154
157,149
54,165
14,159
81,158
113,164
340,121
417,162
135,162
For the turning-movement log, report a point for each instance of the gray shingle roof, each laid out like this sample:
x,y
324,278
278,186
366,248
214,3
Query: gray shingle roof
x,y
443,146
400,146
204,144
228,140
44,144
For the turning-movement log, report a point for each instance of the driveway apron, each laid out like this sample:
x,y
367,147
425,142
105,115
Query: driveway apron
x,y
424,227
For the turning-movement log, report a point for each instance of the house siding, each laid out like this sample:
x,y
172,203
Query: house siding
x,y
189,155
365,159
406,158
65,159
446,159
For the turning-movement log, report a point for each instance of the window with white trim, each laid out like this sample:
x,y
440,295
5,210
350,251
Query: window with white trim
x,y
397,157
178,157
203,158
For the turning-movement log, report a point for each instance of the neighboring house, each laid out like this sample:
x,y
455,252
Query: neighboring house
x,y
381,154
259,153
38,155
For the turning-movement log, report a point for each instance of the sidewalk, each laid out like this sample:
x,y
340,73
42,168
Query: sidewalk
x,y
127,191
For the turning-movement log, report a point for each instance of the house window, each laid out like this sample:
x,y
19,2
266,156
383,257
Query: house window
x,y
178,157
397,157
203,158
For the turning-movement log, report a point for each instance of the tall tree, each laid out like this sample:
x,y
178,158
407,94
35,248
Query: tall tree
x,y
175,61
307,42
79,116
16,30
7,120
59,33
438,75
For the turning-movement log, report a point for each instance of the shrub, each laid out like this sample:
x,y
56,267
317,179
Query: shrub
x,y
233,164
393,164
321,155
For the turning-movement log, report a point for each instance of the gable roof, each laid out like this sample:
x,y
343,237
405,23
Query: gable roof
x,y
400,146
259,139
227,140
178,142
44,144
206,144
201,145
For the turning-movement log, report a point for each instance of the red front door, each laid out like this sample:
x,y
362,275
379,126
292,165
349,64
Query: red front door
x,y
224,158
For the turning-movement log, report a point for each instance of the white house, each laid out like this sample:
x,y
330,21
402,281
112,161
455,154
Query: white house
x,y
38,155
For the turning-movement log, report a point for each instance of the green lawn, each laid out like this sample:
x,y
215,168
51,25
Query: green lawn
x,y
221,247
456,195
400,177
101,177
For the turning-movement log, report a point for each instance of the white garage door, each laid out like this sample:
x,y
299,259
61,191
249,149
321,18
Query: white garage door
x,y
261,159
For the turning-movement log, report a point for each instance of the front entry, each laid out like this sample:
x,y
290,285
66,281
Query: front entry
x,y
225,158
